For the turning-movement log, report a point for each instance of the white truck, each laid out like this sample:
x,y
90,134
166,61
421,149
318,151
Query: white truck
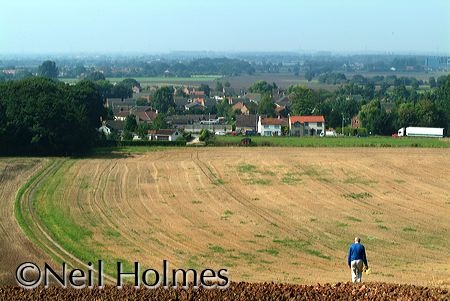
x,y
328,134
412,131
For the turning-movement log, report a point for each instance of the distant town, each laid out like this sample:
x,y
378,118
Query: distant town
x,y
180,97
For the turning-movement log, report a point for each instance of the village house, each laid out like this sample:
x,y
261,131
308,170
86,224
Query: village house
x,y
115,103
253,97
281,111
180,102
355,122
241,107
115,126
104,129
121,114
306,125
192,91
143,114
193,105
246,123
136,89
271,126
164,135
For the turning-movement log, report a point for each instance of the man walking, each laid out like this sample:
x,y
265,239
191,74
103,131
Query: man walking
x,y
356,259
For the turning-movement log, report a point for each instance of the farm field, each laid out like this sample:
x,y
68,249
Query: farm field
x,y
373,141
266,214
15,247
283,80
160,80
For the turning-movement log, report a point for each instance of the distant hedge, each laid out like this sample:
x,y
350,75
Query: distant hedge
x,y
112,143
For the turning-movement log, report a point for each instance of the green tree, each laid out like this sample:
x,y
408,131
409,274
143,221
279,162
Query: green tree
x,y
205,88
96,75
42,117
440,82
159,122
309,75
414,84
142,130
406,115
122,91
22,74
104,88
376,119
400,93
303,100
432,82
141,102
219,86
130,123
429,115
261,87
85,94
266,106
48,69
224,109
79,70
131,82
443,101
206,136
127,135
163,99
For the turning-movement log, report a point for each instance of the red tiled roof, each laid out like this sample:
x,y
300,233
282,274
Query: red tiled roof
x,y
146,115
279,108
122,114
238,106
303,119
273,121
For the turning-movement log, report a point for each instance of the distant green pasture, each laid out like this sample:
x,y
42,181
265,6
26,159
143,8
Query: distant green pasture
x,y
374,141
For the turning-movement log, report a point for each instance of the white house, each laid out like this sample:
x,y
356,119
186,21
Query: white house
x,y
306,125
270,126
164,135
104,129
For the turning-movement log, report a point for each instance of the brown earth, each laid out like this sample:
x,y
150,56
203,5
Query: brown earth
x,y
238,291
266,214
15,247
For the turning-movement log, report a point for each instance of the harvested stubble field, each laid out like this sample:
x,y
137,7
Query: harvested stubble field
x,y
266,214
15,247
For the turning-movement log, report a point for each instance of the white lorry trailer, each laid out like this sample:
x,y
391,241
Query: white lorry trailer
x,y
328,134
412,131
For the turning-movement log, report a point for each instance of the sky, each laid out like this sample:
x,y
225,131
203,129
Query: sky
x,y
145,26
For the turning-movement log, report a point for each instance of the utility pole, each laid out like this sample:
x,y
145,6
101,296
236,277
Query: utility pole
x,y
342,128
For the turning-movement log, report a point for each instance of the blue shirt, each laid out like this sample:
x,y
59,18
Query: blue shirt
x,y
357,251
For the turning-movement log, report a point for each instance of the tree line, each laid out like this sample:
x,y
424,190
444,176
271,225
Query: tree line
x,y
39,116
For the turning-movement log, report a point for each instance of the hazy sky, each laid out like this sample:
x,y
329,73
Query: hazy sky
x,y
51,26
